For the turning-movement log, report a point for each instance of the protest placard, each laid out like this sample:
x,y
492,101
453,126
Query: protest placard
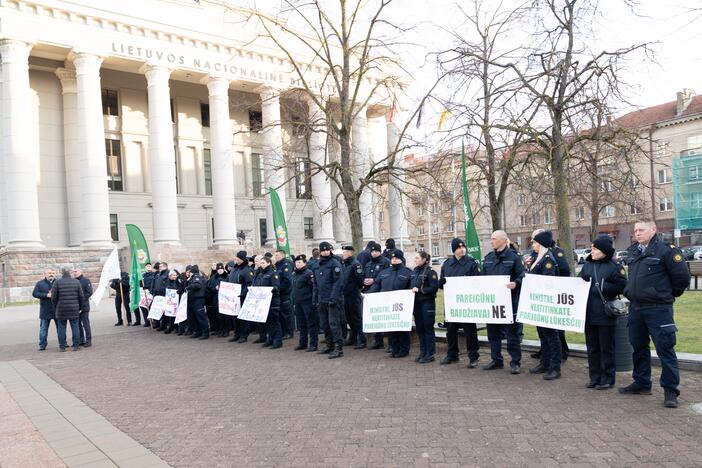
x,y
553,302
388,311
257,303
478,299
145,299
228,296
158,308
182,310
171,303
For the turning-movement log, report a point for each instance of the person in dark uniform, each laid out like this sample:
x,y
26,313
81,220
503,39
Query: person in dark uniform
x,y
159,289
195,287
121,287
395,278
86,336
284,267
365,255
389,247
329,278
375,265
425,284
353,282
607,279
657,275
545,264
147,282
563,270
503,260
267,276
223,324
241,273
461,264
313,262
307,319
175,282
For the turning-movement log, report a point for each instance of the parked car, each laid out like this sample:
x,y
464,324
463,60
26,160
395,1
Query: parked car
x,y
698,254
621,256
438,260
690,252
582,255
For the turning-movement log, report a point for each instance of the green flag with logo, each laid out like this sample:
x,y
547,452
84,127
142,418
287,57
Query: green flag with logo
x,y
280,228
472,241
140,257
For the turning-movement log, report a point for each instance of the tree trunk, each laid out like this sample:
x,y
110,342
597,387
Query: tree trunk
x,y
560,195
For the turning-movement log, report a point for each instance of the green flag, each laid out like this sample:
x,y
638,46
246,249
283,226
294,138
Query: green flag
x,y
281,229
140,257
472,241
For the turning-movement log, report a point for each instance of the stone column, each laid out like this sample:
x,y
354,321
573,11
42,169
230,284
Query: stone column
x,y
71,150
273,164
361,163
95,205
222,163
396,208
19,154
321,186
162,156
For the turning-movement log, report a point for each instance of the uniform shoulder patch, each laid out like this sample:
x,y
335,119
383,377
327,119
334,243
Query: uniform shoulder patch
x,y
560,254
275,276
286,269
622,272
337,269
677,258
548,265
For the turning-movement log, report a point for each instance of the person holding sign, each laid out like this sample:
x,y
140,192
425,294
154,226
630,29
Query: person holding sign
x,y
395,278
330,284
267,276
173,282
425,284
460,264
219,323
545,264
657,275
371,270
353,310
307,316
503,260
607,280
195,286
241,273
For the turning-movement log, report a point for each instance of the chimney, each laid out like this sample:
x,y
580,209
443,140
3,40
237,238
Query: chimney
x,y
684,99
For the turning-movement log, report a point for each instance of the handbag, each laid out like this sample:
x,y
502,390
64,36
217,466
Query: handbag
x,y
615,308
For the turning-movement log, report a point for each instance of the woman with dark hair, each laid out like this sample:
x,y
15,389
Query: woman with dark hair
x,y
267,276
607,280
425,284
173,282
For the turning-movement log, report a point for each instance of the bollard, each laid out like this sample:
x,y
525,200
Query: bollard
x,y
623,360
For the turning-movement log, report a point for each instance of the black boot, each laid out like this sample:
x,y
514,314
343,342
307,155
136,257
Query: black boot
x,y
327,350
336,353
670,400
552,374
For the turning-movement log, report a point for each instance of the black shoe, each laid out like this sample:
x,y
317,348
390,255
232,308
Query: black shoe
x,y
634,389
119,324
536,355
360,346
312,349
195,335
160,329
147,324
259,341
188,333
377,346
203,337
449,360
670,400
180,333
539,369
233,339
276,346
591,385
243,339
326,350
299,347
472,364
418,358
135,324
552,374
62,349
75,348
514,369
168,332
349,342
267,344
603,386
399,355
42,349
87,345
336,353
427,359
564,356
492,365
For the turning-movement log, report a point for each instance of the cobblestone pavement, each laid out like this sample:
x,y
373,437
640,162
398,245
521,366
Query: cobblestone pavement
x,y
214,403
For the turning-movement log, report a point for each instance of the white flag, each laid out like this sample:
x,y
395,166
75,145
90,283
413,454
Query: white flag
x,y
110,271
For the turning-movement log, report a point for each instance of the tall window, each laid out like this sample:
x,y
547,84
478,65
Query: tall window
x,y
308,227
548,217
523,221
434,228
634,208
207,163
263,230
434,250
522,200
579,213
110,102
298,126
608,211
695,173
257,179
205,114
450,226
665,204
255,121
172,112
663,176
433,208
420,230
114,227
303,179
696,200
114,165
177,169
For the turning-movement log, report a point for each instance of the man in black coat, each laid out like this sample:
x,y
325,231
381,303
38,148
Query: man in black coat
x,y
68,300
121,287
86,337
353,309
42,291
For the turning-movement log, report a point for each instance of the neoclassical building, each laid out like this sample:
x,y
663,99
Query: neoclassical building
x,y
166,114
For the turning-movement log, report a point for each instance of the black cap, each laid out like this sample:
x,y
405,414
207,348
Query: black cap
x,y
456,243
194,269
604,244
325,246
348,247
390,243
157,266
268,255
397,253
544,238
376,247
220,266
301,257
241,255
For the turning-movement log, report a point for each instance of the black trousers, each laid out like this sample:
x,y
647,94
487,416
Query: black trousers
x,y
353,312
118,306
600,353
471,332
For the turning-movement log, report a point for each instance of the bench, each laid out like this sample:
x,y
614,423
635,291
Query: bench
x,y
695,270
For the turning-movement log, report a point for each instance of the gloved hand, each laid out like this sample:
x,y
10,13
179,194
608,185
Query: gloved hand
x,y
586,277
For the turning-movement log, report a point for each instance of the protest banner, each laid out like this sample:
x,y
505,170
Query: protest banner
x,y
553,302
171,303
478,299
158,308
257,303
388,311
228,296
145,299
182,310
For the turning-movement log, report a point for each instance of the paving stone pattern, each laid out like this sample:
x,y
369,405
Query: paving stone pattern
x,y
214,403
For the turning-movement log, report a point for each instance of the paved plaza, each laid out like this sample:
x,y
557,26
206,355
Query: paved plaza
x,y
141,398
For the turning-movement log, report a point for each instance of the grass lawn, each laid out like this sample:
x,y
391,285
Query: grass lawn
x,y
688,315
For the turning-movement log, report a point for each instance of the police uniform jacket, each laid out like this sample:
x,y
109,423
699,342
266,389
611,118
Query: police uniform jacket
x,y
159,288
148,280
269,277
611,277
303,285
284,268
657,275
547,266
329,277
425,279
46,307
374,267
466,266
507,262
353,276
115,284
195,286
561,261
243,275
393,279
